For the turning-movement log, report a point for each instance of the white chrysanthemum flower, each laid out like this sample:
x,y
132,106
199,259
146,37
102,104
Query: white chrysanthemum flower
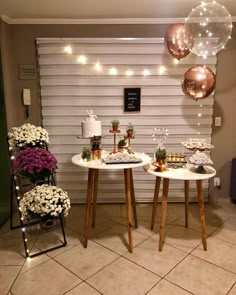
x,y
27,134
44,200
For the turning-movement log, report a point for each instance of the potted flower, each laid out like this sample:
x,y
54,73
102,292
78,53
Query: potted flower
x,y
36,164
130,130
28,135
115,124
122,144
160,156
86,154
45,201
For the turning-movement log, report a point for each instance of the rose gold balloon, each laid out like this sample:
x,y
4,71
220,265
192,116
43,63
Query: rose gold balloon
x,y
175,43
198,82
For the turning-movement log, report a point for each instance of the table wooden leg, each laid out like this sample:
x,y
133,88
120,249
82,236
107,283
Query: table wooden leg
x,y
201,209
95,191
128,206
88,205
155,200
133,199
186,194
163,211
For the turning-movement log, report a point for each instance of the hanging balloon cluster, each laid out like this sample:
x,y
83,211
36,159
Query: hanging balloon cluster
x,y
205,32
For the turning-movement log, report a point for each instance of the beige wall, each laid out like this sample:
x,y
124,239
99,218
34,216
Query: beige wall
x,y
19,48
224,137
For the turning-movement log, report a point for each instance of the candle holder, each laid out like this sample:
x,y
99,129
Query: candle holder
x,y
129,136
114,146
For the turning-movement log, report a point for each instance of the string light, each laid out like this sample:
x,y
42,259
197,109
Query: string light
x,y
82,59
199,115
68,49
176,61
12,157
129,73
146,72
98,66
113,71
162,70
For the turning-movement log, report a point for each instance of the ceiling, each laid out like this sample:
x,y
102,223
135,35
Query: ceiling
x,y
16,10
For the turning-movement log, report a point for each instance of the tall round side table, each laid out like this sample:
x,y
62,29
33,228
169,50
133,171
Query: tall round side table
x,y
185,174
93,174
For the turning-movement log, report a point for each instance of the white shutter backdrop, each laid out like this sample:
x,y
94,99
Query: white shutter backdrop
x,y
69,88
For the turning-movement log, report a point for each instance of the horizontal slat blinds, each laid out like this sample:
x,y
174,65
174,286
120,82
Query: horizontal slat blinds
x,y
69,89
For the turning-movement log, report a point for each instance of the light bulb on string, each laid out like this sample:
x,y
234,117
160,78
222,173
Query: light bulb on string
x,y
199,115
113,71
146,72
82,59
129,73
98,66
68,49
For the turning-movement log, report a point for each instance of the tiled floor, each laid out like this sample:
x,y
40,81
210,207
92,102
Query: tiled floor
x,y
106,266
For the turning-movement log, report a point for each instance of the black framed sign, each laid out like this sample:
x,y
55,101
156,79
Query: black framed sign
x,y
132,99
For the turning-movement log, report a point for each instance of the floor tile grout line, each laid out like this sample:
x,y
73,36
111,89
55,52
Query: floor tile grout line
x,y
102,268
10,289
214,264
34,266
231,288
134,262
179,286
73,288
67,269
146,237
80,284
94,288
171,283
107,248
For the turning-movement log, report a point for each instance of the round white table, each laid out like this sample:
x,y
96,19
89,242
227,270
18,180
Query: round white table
x,y
92,188
185,174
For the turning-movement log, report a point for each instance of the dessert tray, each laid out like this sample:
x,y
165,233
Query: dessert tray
x,y
200,144
176,160
121,158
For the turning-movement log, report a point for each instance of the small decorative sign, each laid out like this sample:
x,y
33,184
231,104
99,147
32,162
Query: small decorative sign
x,y
132,99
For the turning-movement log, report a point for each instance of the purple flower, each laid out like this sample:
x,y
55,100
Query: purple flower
x,y
34,163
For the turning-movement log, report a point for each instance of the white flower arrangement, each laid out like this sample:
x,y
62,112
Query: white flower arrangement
x,y
28,135
200,159
45,200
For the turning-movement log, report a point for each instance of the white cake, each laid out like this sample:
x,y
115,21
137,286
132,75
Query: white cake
x,y
90,127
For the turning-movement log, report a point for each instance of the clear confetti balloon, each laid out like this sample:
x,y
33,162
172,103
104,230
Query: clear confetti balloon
x,y
207,29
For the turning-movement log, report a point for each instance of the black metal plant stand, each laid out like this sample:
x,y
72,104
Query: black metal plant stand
x,y
15,190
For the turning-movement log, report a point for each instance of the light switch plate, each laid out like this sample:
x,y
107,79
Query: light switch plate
x,y
26,97
217,121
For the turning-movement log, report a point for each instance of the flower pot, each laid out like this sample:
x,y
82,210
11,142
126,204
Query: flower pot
x,y
115,128
130,134
160,165
96,154
86,156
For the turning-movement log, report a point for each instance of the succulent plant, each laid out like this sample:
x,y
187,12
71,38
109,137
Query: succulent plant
x,y
85,153
130,128
160,154
86,150
122,142
115,122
